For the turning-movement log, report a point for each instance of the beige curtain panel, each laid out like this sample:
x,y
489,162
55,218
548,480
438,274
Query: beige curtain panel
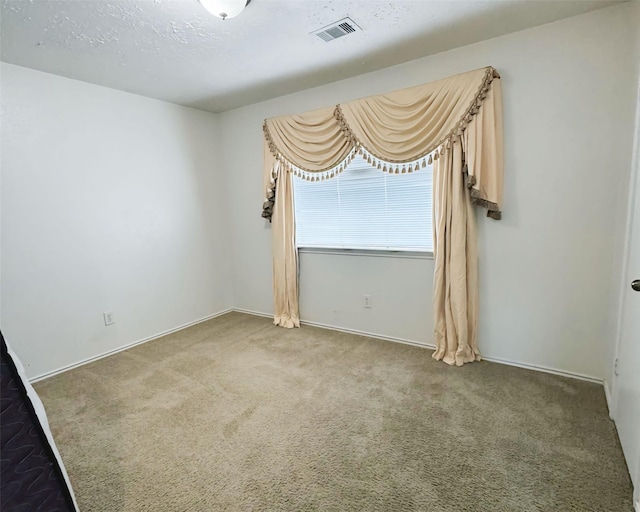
x,y
456,122
455,284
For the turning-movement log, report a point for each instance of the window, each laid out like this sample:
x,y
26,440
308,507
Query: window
x,y
365,208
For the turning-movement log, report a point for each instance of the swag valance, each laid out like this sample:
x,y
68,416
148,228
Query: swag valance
x,y
457,124
395,132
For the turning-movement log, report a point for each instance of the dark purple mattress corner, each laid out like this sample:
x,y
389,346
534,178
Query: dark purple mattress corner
x,y
30,477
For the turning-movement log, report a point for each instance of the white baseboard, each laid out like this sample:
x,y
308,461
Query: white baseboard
x,y
125,347
344,329
544,369
251,312
370,334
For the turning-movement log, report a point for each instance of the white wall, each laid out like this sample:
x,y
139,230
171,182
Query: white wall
x,y
547,269
332,285
110,202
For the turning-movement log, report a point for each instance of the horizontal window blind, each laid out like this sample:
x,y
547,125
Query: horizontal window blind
x,y
365,208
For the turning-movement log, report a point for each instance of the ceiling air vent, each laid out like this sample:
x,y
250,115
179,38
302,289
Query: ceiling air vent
x,y
337,29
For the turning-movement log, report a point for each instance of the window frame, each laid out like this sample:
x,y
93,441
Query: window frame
x,y
378,253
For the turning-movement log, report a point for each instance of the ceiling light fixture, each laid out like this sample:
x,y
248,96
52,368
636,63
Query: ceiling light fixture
x,y
225,8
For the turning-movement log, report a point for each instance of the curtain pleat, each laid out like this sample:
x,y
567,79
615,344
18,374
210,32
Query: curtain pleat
x,y
404,125
313,141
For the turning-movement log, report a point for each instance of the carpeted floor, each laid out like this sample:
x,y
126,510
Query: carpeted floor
x,y
235,414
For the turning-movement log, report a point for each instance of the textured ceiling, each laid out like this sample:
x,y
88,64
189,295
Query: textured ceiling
x,y
176,51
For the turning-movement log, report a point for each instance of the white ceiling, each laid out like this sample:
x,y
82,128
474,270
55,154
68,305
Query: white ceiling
x,y
176,51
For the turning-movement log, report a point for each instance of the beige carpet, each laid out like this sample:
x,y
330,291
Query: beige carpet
x,y
235,414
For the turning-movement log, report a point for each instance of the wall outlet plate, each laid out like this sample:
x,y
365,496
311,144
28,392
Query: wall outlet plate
x,y
366,301
108,318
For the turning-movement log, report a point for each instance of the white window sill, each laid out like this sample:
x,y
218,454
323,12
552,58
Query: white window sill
x,y
378,253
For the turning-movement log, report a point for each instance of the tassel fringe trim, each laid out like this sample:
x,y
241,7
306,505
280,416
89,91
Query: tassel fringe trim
x,y
432,153
493,210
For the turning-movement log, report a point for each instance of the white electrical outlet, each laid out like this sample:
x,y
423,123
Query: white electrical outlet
x,y
366,301
108,318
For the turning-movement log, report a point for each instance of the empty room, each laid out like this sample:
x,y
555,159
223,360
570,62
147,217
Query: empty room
x,y
330,255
